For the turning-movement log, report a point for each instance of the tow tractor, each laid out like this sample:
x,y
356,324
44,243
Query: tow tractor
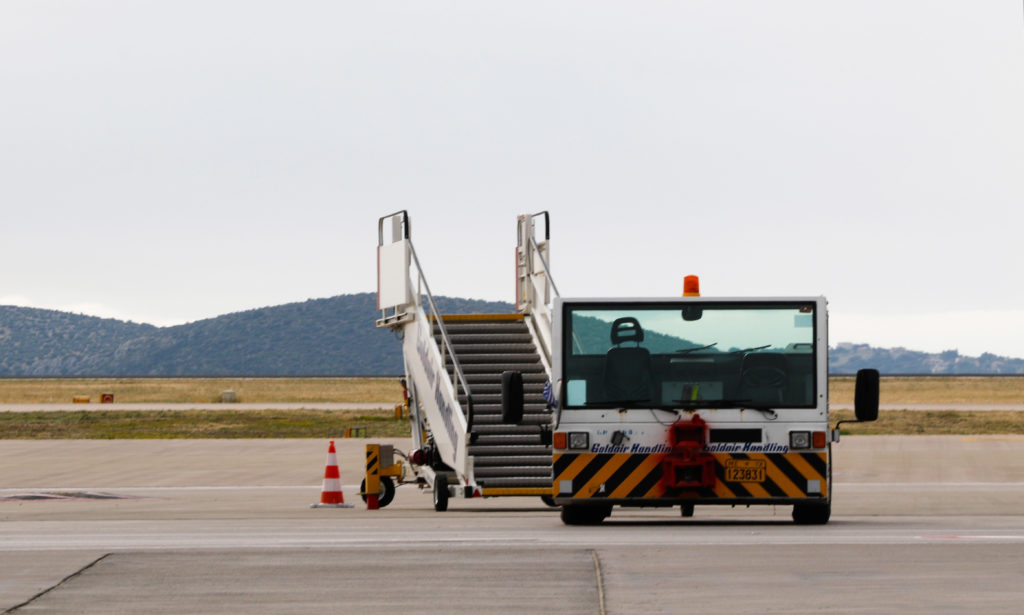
x,y
694,401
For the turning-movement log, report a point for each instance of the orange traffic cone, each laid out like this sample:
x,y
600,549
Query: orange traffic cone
x,y
331,495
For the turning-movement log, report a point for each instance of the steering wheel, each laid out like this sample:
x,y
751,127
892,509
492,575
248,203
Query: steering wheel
x,y
764,377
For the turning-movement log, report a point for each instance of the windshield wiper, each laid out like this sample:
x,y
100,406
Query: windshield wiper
x,y
742,350
698,404
689,350
742,404
615,403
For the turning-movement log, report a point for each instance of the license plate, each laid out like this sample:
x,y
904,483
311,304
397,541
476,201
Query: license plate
x,y
745,470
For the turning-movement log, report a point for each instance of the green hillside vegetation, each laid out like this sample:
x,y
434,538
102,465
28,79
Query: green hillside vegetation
x,y
334,336
44,342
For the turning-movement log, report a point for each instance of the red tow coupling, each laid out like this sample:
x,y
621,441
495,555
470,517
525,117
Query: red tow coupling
x,y
688,465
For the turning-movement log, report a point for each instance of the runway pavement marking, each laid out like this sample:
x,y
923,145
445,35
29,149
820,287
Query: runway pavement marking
x,y
979,537
190,488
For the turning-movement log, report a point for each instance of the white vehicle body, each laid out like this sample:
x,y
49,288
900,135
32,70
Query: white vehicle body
x,y
690,401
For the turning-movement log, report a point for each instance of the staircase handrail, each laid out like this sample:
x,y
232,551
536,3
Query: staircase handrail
x,y
539,308
544,263
458,377
446,343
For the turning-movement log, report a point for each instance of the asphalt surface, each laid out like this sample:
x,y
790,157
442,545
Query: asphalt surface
x,y
920,524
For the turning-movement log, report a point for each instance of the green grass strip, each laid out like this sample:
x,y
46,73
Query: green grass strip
x,y
102,425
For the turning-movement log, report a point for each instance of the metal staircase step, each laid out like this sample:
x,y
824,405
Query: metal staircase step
x,y
469,349
487,403
536,379
495,398
494,418
513,460
509,449
494,388
505,439
524,481
484,338
496,429
483,326
490,368
513,472
497,359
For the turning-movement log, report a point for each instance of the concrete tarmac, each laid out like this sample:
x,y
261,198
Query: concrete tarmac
x,y
920,524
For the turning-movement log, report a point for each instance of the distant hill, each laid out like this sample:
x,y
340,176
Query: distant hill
x,y
848,358
334,336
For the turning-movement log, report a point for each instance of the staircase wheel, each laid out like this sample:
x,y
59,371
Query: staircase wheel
x,y
440,493
686,510
549,500
386,493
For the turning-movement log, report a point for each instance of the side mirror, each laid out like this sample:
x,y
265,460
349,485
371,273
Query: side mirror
x,y
511,397
865,395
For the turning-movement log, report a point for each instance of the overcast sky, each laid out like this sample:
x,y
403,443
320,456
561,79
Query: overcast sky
x,y
165,162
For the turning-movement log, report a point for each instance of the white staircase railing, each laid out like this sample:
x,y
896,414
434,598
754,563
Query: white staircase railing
x,y
401,308
535,289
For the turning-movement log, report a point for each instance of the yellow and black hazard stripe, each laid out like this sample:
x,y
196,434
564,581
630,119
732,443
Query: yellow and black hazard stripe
x,y
372,460
636,476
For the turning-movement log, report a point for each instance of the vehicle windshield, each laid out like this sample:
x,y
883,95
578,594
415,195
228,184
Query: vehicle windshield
x,y
689,355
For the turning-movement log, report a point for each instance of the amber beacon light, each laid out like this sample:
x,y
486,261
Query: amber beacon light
x,y
691,286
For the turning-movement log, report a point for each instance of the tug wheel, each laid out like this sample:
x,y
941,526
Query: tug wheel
x,y
580,514
440,493
386,493
812,514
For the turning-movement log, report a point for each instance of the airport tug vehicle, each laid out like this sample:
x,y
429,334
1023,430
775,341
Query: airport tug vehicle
x,y
694,401
680,401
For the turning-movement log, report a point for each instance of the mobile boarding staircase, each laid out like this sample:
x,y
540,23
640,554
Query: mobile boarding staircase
x,y
463,444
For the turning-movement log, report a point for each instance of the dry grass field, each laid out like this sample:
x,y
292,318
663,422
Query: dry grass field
x,y
953,390
200,390
949,390
230,423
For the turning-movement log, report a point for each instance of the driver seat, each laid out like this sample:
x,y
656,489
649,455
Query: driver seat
x,y
763,378
627,369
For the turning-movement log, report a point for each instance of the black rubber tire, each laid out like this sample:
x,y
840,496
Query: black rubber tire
x,y
812,514
686,510
386,493
581,514
440,493
549,500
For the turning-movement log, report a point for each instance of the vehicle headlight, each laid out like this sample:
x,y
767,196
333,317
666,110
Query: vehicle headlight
x,y
579,440
799,439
